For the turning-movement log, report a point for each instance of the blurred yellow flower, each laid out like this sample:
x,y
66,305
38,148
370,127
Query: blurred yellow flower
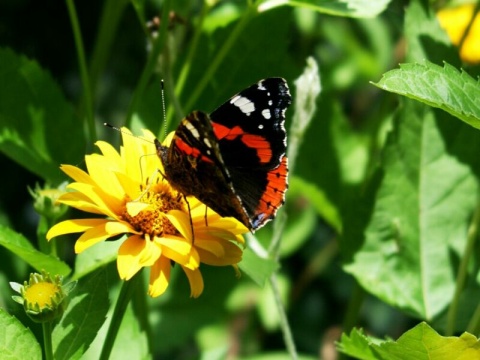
x,y
455,21
129,189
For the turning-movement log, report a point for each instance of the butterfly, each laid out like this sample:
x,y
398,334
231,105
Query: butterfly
x,y
233,159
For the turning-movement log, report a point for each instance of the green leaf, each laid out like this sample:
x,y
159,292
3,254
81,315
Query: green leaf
x,y
350,8
421,212
38,128
357,345
421,342
85,315
20,246
446,88
258,268
96,257
17,341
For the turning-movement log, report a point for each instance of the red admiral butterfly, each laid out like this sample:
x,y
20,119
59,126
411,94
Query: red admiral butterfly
x,y
233,160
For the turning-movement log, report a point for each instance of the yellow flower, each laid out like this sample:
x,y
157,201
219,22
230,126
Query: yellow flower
x,y
455,21
129,189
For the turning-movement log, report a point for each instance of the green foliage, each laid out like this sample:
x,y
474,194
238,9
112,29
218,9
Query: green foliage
x,y
85,315
421,342
17,341
445,88
380,226
18,245
36,118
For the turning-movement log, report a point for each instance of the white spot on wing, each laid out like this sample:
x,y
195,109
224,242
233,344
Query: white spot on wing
x,y
244,104
266,113
260,126
260,86
207,142
192,130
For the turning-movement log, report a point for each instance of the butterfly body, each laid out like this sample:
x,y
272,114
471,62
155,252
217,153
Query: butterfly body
x,y
233,160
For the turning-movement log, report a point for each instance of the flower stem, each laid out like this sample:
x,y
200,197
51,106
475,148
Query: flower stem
x,y
189,60
463,270
474,324
287,333
220,55
87,90
124,297
47,340
151,62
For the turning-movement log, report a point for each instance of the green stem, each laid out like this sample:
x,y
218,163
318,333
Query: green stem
x,y
140,308
474,324
463,271
124,297
111,14
220,55
183,76
151,62
87,90
47,340
354,305
286,331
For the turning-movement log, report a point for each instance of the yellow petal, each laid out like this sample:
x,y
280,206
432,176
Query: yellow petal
x,y
79,201
196,281
159,277
455,21
135,253
110,206
103,172
100,233
110,153
179,244
232,256
191,260
73,226
181,221
135,207
77,174
130,187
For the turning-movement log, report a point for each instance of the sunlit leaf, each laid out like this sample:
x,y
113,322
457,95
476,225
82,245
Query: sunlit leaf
x,y
21,247
442,87
16,340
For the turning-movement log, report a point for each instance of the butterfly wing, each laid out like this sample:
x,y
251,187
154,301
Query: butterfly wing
x,y
193,166
250,130
234,160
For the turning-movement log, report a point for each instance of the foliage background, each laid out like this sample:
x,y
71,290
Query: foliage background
x,y
382,195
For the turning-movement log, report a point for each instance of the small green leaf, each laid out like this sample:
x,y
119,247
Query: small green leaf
x,y
421,342
17,341
446,88
350,8
20,246
85,315
258,268
356,345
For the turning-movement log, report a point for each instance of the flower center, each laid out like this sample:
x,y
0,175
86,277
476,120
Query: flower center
x,y
161,198
41,294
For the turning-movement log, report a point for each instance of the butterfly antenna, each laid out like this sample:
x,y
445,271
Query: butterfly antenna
x,y
124,132
164,112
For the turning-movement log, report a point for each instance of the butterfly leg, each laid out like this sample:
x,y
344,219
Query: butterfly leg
x,y
206,219
190,217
